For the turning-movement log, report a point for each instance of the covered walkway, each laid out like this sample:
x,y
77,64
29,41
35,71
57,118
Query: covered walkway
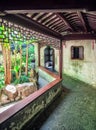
x,y
74,110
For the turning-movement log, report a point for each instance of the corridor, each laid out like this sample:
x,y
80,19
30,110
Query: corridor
x,y
75,109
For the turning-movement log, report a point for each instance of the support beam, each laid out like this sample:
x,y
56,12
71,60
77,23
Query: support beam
x,y
60,59
40,17
82,20
31,24
40,27
61,16
38,54
86,21
35,14
79,37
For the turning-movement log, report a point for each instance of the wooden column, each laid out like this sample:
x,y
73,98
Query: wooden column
x,y
38,54
60,59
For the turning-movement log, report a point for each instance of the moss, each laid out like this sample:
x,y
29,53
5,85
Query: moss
x,y
76,110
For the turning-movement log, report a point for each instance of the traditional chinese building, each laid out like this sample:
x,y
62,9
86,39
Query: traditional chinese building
x,y
64,35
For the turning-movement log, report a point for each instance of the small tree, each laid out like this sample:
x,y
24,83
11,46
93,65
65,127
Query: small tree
x,y
7,62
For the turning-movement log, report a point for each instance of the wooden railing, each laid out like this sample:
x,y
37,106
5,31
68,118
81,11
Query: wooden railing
x,y
25,110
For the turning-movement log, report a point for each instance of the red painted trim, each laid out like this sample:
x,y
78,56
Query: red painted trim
x,y
21,104
60,59
79,37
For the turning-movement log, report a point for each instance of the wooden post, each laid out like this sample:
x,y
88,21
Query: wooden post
x,y
60,59
38,54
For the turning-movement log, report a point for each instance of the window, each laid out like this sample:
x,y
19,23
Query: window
x,y
77,52
49,57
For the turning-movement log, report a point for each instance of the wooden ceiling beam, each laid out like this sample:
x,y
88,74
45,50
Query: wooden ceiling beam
x,y
86,21
50,21
56,24
22,20
79,37
53,22
46,18
59,26
60,29
82,20
40,17
66,22
33,15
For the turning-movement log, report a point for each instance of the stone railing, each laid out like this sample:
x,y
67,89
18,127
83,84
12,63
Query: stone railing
x,y
17,116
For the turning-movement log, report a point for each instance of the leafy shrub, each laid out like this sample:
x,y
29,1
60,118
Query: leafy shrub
x,y
13,76
22,79
1,83
1,68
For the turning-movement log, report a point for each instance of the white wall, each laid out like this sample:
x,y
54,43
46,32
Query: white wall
x,y
36,54
84,70
56,57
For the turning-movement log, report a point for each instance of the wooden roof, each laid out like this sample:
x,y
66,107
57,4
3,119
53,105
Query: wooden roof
x,y
53,18
60,23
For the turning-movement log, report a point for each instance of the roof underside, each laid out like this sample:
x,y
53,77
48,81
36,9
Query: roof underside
x,y
58,22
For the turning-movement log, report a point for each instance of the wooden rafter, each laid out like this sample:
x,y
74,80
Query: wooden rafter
x,y
53,22
41,16
29,23
61,16
33,15
46,18
50,21
56,24
59,26
84,15
82,20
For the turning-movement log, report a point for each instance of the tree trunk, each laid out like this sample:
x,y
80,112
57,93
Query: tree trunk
x,y
20,61
4,62
26,69
7,64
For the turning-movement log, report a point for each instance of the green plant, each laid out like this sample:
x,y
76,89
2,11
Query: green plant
x,y
2,83
22,79
13,75
16,68
1,68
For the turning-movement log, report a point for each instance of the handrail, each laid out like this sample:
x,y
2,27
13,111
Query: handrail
x,y
21,104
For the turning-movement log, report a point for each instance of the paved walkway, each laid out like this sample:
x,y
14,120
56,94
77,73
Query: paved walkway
x,y
74,110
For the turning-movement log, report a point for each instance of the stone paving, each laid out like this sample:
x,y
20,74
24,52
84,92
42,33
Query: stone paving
x,y
74,110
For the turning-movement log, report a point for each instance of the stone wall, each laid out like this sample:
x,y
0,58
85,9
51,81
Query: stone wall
x,y
84,70
19,121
